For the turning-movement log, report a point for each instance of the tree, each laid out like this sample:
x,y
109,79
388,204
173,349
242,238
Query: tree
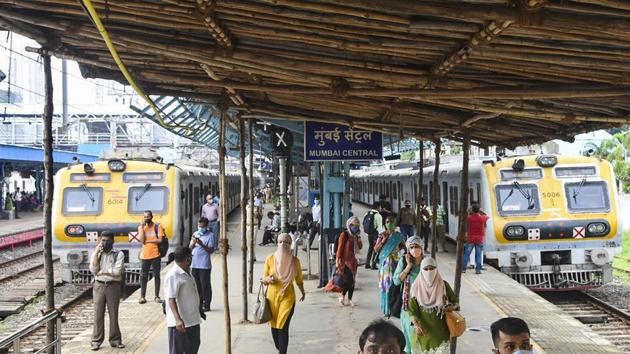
x,y
615,150
408,156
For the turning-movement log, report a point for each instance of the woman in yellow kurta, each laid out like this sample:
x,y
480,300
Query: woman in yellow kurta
x,y
280,271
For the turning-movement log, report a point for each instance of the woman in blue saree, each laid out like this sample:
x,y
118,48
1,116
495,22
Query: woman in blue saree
x,y
388,244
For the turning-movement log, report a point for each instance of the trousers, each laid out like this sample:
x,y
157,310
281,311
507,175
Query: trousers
x,y
184,343
204,286
106,295
281,336
155,265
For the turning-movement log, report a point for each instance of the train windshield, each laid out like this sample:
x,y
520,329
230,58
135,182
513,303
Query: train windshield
x,y
586,196
147,197
517,199
82,200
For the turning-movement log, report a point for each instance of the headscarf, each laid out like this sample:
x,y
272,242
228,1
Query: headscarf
x,y
413,240
353,220
428,288
285,263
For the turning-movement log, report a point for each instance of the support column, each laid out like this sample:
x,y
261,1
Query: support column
x,y
461,227
224,242
252,240
48,171
436,188
420,191
282,162
244,196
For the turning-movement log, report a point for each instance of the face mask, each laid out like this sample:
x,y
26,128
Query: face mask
x,y
284,246
429,276
390,226
316,202
108,245
355,229
201,230
148,220
415,252
524,351
407,205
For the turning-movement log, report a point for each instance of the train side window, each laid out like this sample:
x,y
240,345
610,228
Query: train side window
x,y
587,197
82,200
394,192
196,198
151,198
455,209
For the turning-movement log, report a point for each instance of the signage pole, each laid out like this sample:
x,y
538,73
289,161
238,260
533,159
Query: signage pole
x,y
283,192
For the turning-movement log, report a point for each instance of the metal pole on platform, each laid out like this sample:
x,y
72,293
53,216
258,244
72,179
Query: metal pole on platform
x,y
224,242
282,161
436,188
251,207
48,199
420,191
244,193
461,228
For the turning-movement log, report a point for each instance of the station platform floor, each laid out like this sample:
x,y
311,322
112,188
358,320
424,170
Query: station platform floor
x,y
28,221
321,325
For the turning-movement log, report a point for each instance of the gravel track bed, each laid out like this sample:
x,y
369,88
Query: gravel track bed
x,y
615,293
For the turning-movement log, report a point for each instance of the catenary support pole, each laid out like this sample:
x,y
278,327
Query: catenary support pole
x,y
244,197
48,199
252,240
434,196
420,191
282,161
461,227
224,242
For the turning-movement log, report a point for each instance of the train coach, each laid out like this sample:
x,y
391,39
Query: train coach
x,y
113,195
554,220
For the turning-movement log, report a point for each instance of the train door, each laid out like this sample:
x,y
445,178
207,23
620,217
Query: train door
x,y
190,208
183,211
445,205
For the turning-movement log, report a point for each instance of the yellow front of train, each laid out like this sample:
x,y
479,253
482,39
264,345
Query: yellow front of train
x,y
108,195
554,220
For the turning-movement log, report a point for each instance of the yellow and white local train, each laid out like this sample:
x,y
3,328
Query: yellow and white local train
x,y
113,195
554,220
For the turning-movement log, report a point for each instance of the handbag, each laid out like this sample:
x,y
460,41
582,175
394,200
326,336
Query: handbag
x,y
456,323
262,312
336,283
394,297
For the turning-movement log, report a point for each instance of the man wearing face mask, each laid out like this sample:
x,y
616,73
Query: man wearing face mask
x,y
150,235
510,335
183,315
107,265
202,245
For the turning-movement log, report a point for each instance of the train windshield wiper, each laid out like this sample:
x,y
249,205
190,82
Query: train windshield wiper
x,y
577,191
87,191
146,188
526,194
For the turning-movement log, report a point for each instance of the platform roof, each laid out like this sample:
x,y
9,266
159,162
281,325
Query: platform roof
x,y
509,72
25,157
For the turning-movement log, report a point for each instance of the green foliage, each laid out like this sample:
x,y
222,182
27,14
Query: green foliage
x,y
456,150
408,156
615,150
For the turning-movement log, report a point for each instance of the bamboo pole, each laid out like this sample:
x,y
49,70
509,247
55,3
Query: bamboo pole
x,y
224,247
48,198
252,240
461,228
436,188
244,198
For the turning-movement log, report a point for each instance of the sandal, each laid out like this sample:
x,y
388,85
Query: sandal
x,y
158,300
142,300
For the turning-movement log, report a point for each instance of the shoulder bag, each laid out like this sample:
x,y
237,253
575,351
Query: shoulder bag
x,y
455,321
262,312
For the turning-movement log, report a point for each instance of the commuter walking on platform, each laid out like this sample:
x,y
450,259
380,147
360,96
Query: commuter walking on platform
x,y
424,219
212,212
280,271
183,315
406,273
268,194
258,208
107,265
407,219
439,226
476,223
429,299
202,247
347,246
381,336
510,335
372,226
150,235
388,244
316,210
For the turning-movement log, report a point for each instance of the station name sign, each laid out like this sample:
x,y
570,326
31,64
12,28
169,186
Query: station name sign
x,y
335,142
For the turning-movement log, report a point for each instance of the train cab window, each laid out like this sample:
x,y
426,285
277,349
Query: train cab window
x,y
147,198
82,200
576,171
528,173
517,199
587,197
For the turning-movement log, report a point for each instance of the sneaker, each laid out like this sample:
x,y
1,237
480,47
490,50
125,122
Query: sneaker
x,y
158,300
119,346
95,347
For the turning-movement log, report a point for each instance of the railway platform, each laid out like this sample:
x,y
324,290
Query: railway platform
x,y
27,221
321,325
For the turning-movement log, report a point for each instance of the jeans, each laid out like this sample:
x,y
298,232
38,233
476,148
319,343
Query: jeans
x,y
213,226
407,230
478,251
155,265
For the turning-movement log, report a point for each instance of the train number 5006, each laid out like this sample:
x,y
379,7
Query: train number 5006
x,y
551,195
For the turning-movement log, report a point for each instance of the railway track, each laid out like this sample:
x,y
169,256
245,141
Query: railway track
x,y
22,265
603,318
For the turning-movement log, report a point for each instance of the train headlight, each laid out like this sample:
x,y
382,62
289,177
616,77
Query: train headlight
x,y
597,228
599,257
75,230
116,165
514,232
546,160
88,169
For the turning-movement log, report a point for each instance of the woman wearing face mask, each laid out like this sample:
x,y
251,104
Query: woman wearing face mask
x,y
202,246
388,244
280,271
406,273
429,299
349,243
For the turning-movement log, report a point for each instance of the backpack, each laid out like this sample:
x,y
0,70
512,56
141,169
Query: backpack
x,y
162,246
368,223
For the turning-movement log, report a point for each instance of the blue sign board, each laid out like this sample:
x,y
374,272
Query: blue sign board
x,y
335,142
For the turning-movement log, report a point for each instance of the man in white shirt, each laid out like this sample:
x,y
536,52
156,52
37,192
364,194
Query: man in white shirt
x,y
183,314
317,217
107,265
